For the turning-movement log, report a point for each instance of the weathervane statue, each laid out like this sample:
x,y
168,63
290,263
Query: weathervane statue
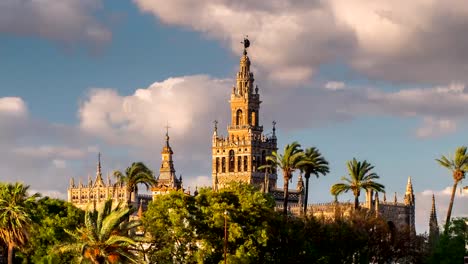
x,y
246,43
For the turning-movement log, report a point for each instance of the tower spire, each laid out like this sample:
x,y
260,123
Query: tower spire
x,y
409,195
433,225
99,181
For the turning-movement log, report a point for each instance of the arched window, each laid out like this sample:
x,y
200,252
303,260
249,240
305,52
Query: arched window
x,y
223,165
246,163
254,163
217,165
239,117
239,163
231,161
254,118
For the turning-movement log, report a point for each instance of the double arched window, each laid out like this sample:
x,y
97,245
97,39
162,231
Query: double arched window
x,y
231,161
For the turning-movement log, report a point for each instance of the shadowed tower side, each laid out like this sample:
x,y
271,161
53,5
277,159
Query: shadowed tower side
x,y
433,225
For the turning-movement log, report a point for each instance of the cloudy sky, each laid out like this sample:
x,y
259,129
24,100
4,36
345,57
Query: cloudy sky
x,y
372,79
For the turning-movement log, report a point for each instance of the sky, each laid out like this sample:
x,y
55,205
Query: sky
x,y
382,81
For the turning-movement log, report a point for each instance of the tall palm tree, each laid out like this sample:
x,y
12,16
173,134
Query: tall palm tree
x,y
361,177
292,159
15,218
318,165
459,166
136,174
106,237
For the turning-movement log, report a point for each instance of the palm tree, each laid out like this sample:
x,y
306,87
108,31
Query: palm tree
x,y
459,166
136,174
106,237
292,159
318,165
15,219
361,177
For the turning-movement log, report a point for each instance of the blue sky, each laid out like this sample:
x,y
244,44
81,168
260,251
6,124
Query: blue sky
x,y
358,79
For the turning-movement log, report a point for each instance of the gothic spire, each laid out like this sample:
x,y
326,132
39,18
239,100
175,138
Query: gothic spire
x,y
409,195
433,225
99,180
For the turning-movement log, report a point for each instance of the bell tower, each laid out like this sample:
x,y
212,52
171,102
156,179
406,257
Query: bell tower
x,y
237,156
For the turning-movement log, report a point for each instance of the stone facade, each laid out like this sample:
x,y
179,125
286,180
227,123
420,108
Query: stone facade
x,y
398,214
95,193
167,180
237,156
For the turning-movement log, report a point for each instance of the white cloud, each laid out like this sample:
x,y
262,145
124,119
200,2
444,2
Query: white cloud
x,y
66,21
13,106
335,85
59,164
424,203
188,104
432,127
394,40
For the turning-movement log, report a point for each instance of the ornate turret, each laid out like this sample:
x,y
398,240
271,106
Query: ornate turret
x,y
433,224
72,183
237,156
167,179
409,195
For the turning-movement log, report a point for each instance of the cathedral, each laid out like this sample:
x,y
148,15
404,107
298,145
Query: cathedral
x,y
93,194
237,157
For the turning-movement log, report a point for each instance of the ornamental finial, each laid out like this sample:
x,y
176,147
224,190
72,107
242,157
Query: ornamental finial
x,y
246,43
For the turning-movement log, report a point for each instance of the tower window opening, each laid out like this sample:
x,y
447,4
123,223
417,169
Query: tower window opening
x,y
231,161
246,163
239,117
254,163
239,163
254,118
223,165
217,165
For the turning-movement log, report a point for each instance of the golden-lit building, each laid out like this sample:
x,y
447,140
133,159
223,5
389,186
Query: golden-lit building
x,y
237,156
167,180
95,193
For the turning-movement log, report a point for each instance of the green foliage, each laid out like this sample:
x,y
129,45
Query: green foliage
x,y
317,165
189,229
360,177
106,237
15,217
458,165
51,217
136,174
451,245
293,158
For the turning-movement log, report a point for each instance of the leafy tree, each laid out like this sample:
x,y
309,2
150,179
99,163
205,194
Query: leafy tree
x,y
186,229
459,166
15,218
50,219
106,237
451,245
136,174
318,165
292,159
361,177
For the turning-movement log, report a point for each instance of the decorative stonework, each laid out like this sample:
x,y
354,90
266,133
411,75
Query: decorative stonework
x,y
238,156
94,194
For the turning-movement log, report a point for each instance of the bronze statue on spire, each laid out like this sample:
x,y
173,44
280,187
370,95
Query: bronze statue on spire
x,y
246,43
